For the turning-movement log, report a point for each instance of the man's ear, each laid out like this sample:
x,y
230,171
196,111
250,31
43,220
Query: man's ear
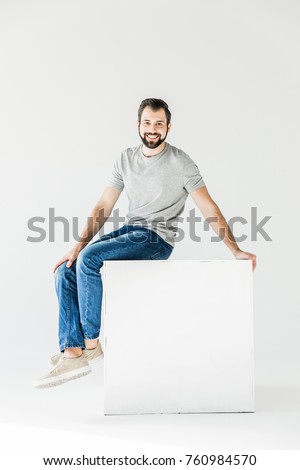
x,y
138,123
169,126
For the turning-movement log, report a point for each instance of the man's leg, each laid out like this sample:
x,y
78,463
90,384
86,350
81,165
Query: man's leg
x,y
79,289
71,338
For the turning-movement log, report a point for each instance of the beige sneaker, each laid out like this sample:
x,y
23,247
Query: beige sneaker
x,y
66,369
91,355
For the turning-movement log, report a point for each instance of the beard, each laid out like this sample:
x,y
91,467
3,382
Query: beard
x,y
152,144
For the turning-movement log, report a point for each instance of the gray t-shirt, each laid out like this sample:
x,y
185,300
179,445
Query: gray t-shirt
x,y
157,187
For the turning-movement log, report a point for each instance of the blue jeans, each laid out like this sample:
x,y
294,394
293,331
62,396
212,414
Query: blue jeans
x,y
79,288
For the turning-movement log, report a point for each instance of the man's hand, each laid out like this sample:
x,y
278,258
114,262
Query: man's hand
x,y
71,256
239,254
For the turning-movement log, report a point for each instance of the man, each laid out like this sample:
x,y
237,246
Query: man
x,y
158,178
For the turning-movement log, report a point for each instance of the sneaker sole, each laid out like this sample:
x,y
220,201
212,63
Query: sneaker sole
x,y
93,361
66,377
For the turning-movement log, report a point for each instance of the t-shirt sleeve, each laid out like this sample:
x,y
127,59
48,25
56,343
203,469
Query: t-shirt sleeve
x,y
115,180
192,179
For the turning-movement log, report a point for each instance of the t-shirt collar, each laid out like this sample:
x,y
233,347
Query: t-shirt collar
x,y
154,157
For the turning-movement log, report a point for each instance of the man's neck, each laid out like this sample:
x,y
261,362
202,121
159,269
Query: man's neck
x,y
152,152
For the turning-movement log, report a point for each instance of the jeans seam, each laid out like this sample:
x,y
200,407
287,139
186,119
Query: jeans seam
x,y
68,308
71,345
86,302
95,336
85,315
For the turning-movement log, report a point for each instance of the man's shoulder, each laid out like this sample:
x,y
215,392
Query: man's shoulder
x,y
179,156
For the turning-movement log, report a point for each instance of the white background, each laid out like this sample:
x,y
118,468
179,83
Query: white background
x,y
73,74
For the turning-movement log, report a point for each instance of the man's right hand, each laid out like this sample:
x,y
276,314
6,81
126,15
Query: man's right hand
x,y
71,256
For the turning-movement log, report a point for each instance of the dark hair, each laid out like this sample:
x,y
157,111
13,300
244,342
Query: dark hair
x,y
154,104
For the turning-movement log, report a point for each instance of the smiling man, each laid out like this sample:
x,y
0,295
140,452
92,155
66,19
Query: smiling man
x,y
157,177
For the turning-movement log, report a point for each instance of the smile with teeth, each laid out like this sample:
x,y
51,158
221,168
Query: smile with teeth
x,y
152,137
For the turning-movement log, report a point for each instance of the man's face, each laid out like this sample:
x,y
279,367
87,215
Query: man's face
x,y
153,127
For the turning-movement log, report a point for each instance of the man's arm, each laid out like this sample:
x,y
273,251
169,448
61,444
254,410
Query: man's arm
x,y
96,220
215,218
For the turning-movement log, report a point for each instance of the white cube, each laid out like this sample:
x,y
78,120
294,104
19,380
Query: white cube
x,y
178,336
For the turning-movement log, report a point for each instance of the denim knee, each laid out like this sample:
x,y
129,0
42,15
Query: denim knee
x,y
88,261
